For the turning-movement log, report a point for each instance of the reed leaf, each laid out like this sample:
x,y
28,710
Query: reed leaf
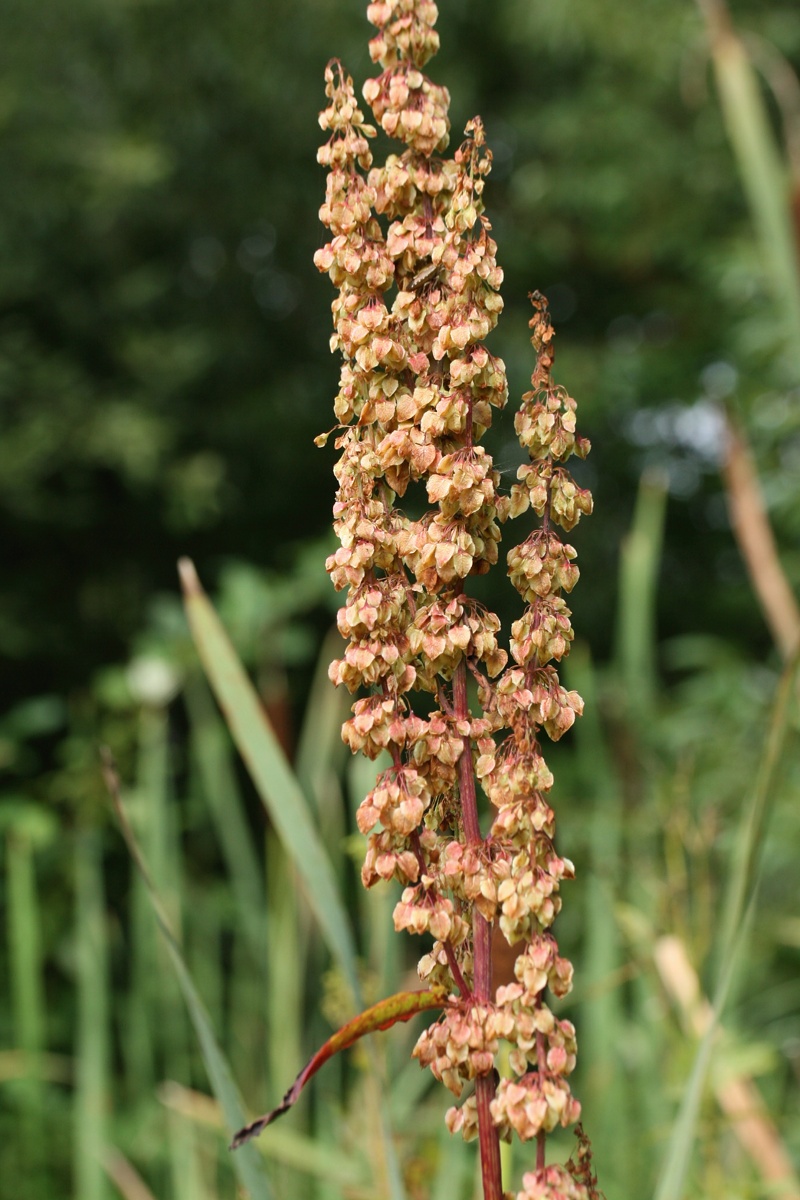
x,y
248,1165
639,567
275,782
26,969
211,754
319,748
738,909
764,174
316,1156
602,1016
92,1049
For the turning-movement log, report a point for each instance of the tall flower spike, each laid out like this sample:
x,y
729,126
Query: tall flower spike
x,y
414,264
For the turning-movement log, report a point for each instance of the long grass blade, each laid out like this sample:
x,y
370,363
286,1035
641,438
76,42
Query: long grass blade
x,y
672,1180
272,775
24,945
319,747
288,810
124,1176
639,566
736,1094
287,965
161,842
187,1180
211,750
139,1024
602,1018
26,970
739,907
91,1051
381,944
312,1156
455,1167
764,176
248,1165
757,543
744,878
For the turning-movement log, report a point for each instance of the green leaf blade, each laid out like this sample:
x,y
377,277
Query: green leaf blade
x,y
275,782
249,1166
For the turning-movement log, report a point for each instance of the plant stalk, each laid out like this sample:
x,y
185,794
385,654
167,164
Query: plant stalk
x,y
482,950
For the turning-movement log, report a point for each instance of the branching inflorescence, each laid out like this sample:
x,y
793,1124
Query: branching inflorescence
x,y
412,257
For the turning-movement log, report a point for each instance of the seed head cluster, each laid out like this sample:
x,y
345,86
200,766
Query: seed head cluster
x,y
414,264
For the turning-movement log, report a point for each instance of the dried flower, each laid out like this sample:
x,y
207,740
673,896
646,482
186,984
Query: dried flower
x,y
552,1183
414,264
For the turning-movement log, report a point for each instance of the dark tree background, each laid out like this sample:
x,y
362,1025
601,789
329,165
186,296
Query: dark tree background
x,y
164,334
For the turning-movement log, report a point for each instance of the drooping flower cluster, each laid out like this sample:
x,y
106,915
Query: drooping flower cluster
x,y
414,264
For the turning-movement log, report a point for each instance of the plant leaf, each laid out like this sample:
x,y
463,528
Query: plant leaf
x,y
739,908
400,1007
250,1167
638,589
275,782
764,174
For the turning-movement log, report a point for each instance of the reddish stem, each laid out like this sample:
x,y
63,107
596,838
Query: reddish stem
x,y
482,949
455,971
488,1139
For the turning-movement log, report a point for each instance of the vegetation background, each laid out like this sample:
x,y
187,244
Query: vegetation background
x,y
164,367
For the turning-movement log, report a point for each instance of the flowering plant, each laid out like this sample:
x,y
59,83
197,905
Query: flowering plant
x,y
414,263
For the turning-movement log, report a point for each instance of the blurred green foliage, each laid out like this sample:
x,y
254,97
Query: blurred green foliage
x,y
164,367
163,335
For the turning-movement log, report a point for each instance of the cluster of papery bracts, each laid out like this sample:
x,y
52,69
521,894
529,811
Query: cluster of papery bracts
x,y
417,296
